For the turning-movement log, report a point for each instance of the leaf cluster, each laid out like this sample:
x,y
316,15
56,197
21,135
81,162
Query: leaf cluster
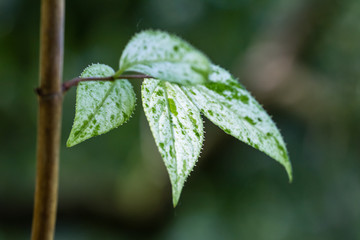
x,y
184,85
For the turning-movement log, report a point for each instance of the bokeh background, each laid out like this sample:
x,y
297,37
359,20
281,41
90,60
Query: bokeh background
x,y
300,58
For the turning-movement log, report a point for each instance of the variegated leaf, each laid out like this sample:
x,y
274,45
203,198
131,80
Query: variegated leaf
x,y
164,56
100,106
177,127
231,107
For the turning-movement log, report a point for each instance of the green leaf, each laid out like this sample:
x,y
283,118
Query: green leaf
x,y
228,105
100,105
165,57
177,127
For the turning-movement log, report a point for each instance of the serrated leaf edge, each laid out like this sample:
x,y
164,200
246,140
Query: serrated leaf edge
x,y
71,144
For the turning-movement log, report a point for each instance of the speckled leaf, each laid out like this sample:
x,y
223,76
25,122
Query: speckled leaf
x,y
100,106
164,56
227,104
177,127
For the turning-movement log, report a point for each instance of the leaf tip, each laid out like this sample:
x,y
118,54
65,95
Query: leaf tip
x,y
177,185
70,142
288,169
175,202
176,195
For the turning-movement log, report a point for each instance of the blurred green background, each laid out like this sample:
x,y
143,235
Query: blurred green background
x,y
300,58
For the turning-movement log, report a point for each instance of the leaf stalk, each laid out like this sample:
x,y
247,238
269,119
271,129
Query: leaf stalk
x,y
75,81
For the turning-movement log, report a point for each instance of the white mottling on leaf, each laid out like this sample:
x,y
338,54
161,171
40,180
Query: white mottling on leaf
x,y
100,106
177,127
164,56
231,107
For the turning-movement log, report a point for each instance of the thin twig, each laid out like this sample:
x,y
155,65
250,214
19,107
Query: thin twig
x,y
75,81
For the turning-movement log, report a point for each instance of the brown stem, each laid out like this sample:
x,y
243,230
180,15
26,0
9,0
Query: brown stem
x,y
75,81
49,118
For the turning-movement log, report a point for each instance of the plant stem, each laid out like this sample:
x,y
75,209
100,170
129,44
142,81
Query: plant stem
x,y
75,81
49,118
